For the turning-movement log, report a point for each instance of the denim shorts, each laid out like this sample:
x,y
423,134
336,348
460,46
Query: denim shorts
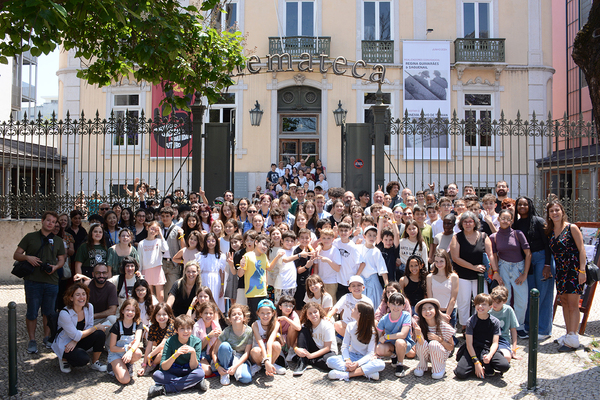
x,y
39,294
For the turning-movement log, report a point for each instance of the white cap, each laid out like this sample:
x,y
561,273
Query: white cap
x,y
356,278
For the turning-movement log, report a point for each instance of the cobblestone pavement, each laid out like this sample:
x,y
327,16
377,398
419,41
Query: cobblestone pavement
x,y
560,375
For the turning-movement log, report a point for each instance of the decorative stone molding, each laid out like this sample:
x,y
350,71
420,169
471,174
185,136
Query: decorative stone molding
x,y
299,79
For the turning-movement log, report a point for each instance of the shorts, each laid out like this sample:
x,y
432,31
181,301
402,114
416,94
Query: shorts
x,y
409,343
39,294
503,344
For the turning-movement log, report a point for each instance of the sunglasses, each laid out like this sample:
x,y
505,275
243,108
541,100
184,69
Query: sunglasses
x,y
218,203
104,208
251,211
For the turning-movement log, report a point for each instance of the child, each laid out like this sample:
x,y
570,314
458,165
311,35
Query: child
x,y
125,340
388,246
289,323
212,268
372,266
479,354
442,284
273,270
443,239
432,214
146,301
161,329
390,288
180,361
316,340
229,229
329,261
426,233
151,254
233,347
218,229
193,248
285,283
444,208
351,258
434,339
489,209
207,329
507,343
253,267
346,304
304,264
266,347
414,284
231,278
412,243
394,329
235,264
315,293
358,348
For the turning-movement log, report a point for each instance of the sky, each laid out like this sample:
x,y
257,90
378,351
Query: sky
x,y
47,79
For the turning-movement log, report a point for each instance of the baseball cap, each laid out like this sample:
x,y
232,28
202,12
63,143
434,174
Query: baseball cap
x,y
356,278
370,228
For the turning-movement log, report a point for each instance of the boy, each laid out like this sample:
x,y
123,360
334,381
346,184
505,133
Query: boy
x,y
174,237
485,221
443,239
375,211
394,334
479,354
285,283
489,208
432,214
253,267
444,208
508,322
426,232
388,245
329,261
350,258
347,302
320,205
249,238
272,175
304,263
372,266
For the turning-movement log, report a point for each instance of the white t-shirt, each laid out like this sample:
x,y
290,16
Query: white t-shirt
x,y
351,258
325,332
347,303
443,241
328,274
326,301
374,262
407,247
437,227
286,279
127,283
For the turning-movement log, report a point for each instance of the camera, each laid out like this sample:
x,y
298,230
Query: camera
x,y
46,267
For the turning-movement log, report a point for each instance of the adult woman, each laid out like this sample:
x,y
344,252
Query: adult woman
x,y
508,245
566,245
117,208
92,252
467,250
111,228
540,272
78,333
126,220
242,215
227,211
139,228
76,230
122,249
183,291
407,214
128,274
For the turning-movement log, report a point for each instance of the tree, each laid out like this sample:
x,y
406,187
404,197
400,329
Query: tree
x,y
156,41
586,54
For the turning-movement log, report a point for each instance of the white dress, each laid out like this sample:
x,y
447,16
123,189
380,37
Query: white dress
x,y
210,266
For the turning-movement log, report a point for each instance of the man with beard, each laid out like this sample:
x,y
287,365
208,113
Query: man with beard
x,y
501,194
348,198
103,296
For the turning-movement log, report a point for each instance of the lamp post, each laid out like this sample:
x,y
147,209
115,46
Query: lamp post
x,y
256,115
340,120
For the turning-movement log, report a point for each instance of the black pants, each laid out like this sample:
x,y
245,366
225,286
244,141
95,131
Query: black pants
x,y
341,291
466,367
78,357
253,306
305,341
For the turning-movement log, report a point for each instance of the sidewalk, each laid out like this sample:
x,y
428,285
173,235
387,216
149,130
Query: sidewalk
x,y
560,375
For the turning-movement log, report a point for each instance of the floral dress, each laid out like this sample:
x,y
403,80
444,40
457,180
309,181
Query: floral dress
x,y
566,257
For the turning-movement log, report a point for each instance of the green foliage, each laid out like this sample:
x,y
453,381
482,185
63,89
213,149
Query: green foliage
x,y
156,41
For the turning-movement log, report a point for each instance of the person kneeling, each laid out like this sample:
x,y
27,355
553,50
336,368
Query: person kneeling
x,y
125,340
394,330
179,368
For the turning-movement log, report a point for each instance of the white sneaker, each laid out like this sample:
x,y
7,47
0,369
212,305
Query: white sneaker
x,y
98,367
374,376
541,338
64,366
225,380
418,372
341,375
279,370
438,375
290,356
561,340
254,369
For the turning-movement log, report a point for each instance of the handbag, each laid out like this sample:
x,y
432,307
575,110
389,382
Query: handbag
x,y
21,269
592,273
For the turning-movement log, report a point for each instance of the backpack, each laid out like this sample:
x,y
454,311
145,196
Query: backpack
x,y
52,322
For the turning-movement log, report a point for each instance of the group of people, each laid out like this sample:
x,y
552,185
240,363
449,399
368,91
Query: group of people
x,y
298,279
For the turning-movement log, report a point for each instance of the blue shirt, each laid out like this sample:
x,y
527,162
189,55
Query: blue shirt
x,y
387,326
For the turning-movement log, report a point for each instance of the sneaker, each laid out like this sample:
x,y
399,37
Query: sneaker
x,y
300,368
394,360
254,369
64,366
32,347
374,376
110,370
341,375
156,390
47,342
438,375
401,371
225,380
279,370
560,340
522,335
418,372
489,374
98,367
290,356
202,386
572,341
541,337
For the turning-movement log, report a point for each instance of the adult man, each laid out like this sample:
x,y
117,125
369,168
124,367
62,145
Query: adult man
x,y
452,191
300,199
174,237
393,188
103,296
501,194
193,197
468,190
104,207
46,253
348,198
257,193
405,193
280,169
228,196
378,199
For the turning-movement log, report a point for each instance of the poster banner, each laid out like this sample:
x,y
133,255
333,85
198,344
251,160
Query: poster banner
x,y
173,138
426,75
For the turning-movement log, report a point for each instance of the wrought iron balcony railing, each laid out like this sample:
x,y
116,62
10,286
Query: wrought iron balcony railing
x,y
296,45
378,51
479,50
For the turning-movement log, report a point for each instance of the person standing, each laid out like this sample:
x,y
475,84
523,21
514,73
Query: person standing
x,y
173,235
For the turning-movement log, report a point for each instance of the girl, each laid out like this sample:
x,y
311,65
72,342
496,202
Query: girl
x,y
315,293
289,323
117,209
266,346
357,213
111,228
146,301
92,252
231,278
119,251
433,339
151,253
337,209
190,224
233,347
358,347
390,288
273,272
139,228
442,284
193,247
258,222
207,329
411,243
205,218
204,295
265,208
125,340
76,230
242,214
316,340
301,222
227,212
160,330
126,218
285,202
212,267
311,214
414,284
218,229
229,228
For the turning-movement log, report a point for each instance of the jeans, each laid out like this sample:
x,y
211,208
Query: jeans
x,y
369,368
178,378
227,356
39,294
509,272
546,288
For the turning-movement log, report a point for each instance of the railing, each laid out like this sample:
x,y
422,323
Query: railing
x,y
479,50
378,51
296,45
15,99
28,92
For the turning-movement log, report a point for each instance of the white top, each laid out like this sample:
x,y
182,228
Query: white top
x,y
151,252
224,245
352,345
326,301
351,258
374,262
325,332
437,227
67,320
210,266
384,208
407,247
122,295
442,291
347,303
281,172
328,274
443,241
286,279
143,315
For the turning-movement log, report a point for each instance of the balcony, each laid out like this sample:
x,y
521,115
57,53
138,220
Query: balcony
x,y
28,92
15,102
378,51
296,45
479,50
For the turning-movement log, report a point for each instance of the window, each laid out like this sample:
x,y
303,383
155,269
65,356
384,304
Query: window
x,y
222,111
126,109
377,20
227,20
299,18
476,20
584,11
478,116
